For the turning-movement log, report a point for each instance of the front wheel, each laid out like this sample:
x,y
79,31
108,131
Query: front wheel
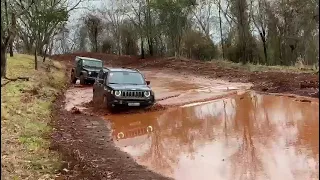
x,y
82,81
73,78
107,105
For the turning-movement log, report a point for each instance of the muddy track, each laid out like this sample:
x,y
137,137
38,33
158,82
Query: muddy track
x,y
84,137
304,84
89,151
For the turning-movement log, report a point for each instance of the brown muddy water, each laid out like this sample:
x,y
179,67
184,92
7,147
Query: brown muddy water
x,y
247,136
217,130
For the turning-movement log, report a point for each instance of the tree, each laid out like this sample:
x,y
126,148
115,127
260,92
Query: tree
x,y
42,22
173,17
94,28
128,39
9,10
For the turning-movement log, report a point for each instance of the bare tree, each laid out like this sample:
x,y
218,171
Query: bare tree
x,y
94,27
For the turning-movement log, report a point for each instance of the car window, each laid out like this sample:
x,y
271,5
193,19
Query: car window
x,y
91,63
126,78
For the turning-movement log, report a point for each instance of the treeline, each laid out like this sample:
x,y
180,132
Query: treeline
x,y
30,26
256,31
267,32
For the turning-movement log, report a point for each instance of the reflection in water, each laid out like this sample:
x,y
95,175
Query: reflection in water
x,y
250,136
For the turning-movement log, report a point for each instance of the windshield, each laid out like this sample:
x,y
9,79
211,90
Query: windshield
x,y
91,63
126,78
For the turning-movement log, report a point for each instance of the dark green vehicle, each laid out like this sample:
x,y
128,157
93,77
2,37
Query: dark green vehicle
x,y
115,87
86,70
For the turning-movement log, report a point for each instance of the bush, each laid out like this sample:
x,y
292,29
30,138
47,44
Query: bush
x,y
198,46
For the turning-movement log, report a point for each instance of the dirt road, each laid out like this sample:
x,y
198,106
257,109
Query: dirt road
x,y
212,129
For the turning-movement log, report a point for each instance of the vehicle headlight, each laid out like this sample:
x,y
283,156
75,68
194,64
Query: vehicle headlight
x,y
117,93
147,93
89,73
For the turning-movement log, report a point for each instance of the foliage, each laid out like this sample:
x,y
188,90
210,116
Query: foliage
x,y
94,29
198,46
44,20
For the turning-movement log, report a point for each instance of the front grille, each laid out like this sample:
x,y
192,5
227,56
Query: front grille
x,y
93,74
138,94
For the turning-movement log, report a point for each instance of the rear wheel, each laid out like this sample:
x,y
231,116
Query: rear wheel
x,y
73,78
82,81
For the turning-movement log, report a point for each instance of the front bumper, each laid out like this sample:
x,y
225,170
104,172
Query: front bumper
x,y
90,78
131,102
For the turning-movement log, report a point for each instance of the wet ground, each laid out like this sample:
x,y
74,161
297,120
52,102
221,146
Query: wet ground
x,y
170,89
212,129
248,136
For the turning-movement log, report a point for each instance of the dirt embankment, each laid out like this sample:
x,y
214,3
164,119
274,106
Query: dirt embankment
x,y
305,84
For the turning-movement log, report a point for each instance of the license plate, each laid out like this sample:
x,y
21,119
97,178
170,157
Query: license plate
x,y
133,104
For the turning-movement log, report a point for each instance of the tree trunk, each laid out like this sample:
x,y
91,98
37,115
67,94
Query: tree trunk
x,y
221,37
265,51
11,48
45,53
150,46
3,60
142,49
35,59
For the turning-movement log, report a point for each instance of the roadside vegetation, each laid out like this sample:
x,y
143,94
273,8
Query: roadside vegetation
x,y
299,67
25,116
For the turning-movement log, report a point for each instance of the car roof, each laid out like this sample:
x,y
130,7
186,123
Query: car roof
x,y
88,58
119,70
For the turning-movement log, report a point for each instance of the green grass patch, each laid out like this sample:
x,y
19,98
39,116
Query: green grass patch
x,y
298,68
25,113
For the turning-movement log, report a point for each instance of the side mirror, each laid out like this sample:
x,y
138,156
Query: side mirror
x,y
148,82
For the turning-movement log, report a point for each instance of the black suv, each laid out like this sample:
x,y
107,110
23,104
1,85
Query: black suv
x,y
86,69
122,87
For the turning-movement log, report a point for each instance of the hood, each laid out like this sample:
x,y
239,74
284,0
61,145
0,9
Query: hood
x,y
92,69
129,87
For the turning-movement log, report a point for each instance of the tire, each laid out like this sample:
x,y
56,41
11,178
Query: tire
x,y
82,81
73,78
106,105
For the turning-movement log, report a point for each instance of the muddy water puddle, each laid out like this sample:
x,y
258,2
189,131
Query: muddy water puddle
x,y
247,136
176,89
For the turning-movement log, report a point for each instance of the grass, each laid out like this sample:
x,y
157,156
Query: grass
x,y
298,68
25,114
